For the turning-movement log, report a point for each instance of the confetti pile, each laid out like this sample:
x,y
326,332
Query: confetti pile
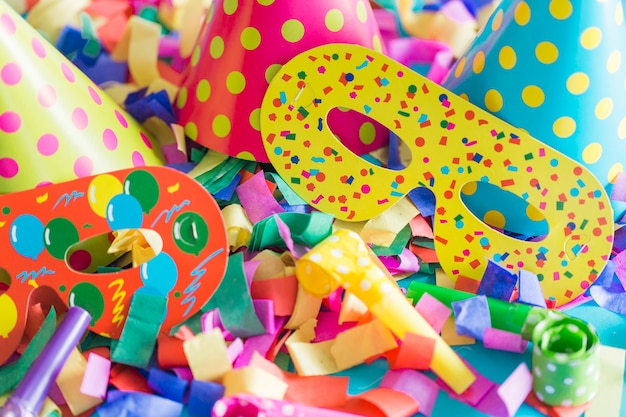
x,y
227,276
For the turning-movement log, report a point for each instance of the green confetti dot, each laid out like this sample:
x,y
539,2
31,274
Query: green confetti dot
x,y
177,294
6,210
62,288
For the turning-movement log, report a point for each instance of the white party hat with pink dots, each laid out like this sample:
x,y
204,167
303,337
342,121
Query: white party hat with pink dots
x,y
557,69
55,123
240,48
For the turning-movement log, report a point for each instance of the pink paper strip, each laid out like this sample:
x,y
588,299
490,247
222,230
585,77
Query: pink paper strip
x,y
423,389
96,378
256,198
328,326
406,262
234,350
434,311
503,340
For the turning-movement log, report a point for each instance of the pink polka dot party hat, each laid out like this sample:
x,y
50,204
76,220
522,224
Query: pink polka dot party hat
x,y
56,124
556,69
240,48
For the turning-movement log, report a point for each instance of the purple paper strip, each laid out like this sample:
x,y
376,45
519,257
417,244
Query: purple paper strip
x,y
415,384
471,316
96,378
497,282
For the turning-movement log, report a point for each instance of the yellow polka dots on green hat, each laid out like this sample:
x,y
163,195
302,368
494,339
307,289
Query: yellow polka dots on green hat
x,y
334,20
292,30
546,52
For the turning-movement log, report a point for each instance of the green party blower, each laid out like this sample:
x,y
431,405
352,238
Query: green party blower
x,y
565,357
513,317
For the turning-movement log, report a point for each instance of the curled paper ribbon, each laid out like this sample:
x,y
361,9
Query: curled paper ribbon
x,y
565,361
40,230
454,145
251,406
343,259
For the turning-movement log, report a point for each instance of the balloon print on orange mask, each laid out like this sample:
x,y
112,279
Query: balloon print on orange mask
x,y
41,232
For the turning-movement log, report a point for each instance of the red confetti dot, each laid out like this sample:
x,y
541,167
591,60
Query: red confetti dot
x,y
578,170
419,141
364,172
320,176
469,115
328,151
277,102
448,194
400,179
498,147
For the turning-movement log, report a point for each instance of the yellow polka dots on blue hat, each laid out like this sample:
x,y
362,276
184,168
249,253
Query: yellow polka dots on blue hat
x,y
554,68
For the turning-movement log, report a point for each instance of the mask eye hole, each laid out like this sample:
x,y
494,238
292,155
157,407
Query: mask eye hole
x,y
504,211
113,251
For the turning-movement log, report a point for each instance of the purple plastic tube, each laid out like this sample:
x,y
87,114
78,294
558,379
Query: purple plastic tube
x,y
28,397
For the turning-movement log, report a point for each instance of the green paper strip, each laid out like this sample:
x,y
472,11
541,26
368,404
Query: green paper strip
x,y
12,374
290,195
92,47
222,175
398,244
306,229
565,361
142,326
234,302
608,400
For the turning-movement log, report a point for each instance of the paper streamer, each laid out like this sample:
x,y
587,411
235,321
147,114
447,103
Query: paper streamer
x,y
565,361
343,259
250,406
434,123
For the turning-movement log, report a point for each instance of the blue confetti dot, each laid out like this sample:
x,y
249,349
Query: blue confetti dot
x,y
597,193
278,150
459,224
349,76
460,170
563,262
484,241
574,192
554,162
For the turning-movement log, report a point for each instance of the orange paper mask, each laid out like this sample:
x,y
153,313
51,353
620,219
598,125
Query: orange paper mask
x,y
39,229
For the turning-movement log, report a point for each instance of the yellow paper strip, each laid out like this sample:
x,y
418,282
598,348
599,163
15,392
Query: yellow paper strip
x,y
382,229
608,400
307,307
207,356
50,16
254,381
69,381
238,226
355,345
209,161
451,337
